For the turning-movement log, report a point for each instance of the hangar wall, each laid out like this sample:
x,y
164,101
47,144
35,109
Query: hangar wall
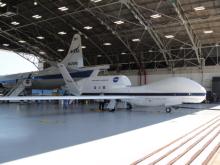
x,y
204,77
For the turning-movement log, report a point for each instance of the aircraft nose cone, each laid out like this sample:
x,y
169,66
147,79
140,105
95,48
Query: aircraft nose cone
x,y
203,89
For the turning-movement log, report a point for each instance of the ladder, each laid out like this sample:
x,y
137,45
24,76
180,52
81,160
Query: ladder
x,y
20,87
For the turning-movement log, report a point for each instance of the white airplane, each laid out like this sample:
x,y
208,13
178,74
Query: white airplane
x,y
51,78
168,93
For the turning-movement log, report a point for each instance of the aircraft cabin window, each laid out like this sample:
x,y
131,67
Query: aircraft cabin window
x,y
94,87
103,87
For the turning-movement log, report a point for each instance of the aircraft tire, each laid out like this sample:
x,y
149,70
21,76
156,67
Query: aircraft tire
x,y
129,106
112,110
168,109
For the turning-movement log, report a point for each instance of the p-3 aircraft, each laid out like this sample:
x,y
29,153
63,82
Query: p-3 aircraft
x,y
51,78
168,92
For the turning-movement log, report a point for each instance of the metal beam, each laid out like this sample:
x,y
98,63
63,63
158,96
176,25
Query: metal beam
x,y
31,38
26,46
131,5
70,25
114,32
192,36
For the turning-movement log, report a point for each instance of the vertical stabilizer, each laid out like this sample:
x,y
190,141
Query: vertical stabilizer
x,y
74,58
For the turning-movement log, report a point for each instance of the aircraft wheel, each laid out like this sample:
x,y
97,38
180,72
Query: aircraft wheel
x,y
129,106
168,109
112,110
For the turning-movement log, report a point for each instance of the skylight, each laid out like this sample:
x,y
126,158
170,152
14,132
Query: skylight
x,y
155,16
64,8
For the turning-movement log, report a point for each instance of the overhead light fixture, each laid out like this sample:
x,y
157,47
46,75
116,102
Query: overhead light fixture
x,y
41,52
155,16
216,44
35,3
136,40
88,27
83,47
119,22
40,37
15,23
123,53
2,4
37,16
199,8
60,50
169,36
64,8
62,33
96,1
99,55
22,41
150,51
107,44
6,45
208,31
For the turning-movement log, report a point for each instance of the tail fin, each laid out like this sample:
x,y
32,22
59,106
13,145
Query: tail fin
x,y
74,58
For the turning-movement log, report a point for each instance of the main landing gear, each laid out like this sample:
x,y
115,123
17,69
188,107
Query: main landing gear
x,y
168,109
110,107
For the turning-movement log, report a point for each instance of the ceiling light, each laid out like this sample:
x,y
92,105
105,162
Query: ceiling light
x,y
62,33
123,53
155,16
107,44
119,22
15,23
35,3
99,55
40,37
136,40
96,1
22,41
3,4
150,51
5,45
216,44
37,16
83,47
60,50
199,8
64,8
41,52
169,36
88,27
208,31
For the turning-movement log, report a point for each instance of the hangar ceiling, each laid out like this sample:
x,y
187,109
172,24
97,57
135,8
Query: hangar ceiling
x,y
128,34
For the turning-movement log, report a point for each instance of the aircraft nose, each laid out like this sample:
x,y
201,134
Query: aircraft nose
x,y
203,90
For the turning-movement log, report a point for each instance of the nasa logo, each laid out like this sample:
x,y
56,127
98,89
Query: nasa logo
x,y
115,79
76,50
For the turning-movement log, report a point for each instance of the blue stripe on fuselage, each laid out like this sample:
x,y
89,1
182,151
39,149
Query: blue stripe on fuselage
x,y
79,74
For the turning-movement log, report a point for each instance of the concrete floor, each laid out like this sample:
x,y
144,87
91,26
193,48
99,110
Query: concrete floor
x,y
30,129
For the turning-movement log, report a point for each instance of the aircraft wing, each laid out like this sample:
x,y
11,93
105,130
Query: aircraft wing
x,y
17,98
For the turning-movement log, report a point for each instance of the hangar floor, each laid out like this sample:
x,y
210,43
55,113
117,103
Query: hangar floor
x,y
30,129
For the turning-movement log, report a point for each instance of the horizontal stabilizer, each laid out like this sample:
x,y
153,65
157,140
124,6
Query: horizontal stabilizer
x,y
72,86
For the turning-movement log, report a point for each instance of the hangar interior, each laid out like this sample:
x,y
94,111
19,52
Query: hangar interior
x,y
138,38
146,40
